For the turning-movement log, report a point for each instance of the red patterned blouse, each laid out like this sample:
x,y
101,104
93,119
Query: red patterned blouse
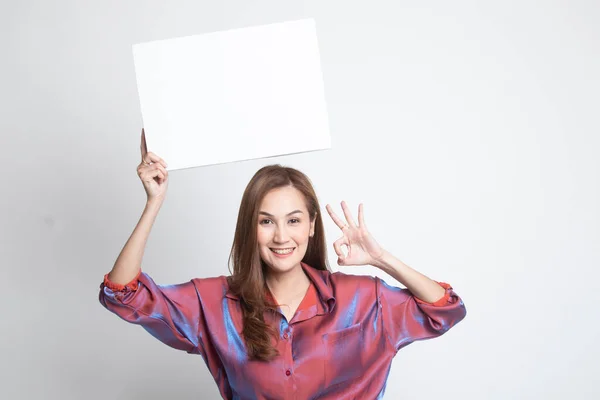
x,y
338,345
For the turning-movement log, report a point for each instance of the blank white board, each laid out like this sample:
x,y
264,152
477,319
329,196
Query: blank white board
x,y
233,95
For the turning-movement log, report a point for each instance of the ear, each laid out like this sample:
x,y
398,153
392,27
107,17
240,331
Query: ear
x,y
312,227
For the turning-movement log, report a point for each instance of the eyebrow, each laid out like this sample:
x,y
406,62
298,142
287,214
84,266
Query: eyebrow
x,y
271,215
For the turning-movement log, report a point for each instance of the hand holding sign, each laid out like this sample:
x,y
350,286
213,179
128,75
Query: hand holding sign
x,y
152,171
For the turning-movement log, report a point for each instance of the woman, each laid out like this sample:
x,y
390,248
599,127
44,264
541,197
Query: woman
x,y
282,326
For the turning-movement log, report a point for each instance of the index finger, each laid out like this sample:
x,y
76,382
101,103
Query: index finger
x,y
335,218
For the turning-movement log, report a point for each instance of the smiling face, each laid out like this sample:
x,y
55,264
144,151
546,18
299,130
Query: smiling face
x,y
283,223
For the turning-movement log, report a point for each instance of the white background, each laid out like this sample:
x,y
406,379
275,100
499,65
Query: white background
x,y
469,129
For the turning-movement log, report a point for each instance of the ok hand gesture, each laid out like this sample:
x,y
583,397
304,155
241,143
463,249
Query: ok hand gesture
x,y
362,247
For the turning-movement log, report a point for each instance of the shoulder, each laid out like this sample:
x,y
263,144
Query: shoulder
x,y
211,281
341,281
342,278
356,291
211,288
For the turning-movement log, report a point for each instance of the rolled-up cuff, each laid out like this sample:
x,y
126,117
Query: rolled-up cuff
x,y
115,287
441,302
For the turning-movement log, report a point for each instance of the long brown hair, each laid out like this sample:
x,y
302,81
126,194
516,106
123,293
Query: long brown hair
x,y
248,278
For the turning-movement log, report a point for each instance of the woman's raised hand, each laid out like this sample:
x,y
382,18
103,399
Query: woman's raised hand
x,y
362,247
153,173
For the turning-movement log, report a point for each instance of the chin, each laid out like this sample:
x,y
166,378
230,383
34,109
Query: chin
x,y
278,268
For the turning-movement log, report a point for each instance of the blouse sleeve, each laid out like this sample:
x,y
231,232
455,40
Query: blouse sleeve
x,y
170,313
407,318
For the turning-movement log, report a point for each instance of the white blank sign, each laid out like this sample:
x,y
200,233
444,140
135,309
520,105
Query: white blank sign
x,y
233,95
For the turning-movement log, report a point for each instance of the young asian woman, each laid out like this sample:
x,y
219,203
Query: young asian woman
x,y
282,325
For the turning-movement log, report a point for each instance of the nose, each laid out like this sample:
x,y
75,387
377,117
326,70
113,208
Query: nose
x,y
281,235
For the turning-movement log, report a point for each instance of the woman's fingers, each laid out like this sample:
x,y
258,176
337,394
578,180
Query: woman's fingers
x,y
153,171
157,174
361,216
334,217
338,221
162,169
156,167
150,157
337,246
348,214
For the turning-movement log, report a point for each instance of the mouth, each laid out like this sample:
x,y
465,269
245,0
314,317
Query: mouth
x,y
282,252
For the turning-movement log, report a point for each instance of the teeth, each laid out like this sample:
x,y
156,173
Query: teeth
x,y
282,251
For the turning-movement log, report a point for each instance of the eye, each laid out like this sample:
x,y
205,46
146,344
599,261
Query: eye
x,y
293,219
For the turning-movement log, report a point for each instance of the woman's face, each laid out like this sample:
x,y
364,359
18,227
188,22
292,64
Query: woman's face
x,y
278,230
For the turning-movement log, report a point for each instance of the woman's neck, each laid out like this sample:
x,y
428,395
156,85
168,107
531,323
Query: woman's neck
x,y
288,285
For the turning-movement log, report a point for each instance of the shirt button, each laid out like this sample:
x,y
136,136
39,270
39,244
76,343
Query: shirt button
x,y
288,372
285,336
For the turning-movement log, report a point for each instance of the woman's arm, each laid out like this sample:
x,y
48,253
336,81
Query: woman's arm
x,y
128,264
418,284
171,313
424,310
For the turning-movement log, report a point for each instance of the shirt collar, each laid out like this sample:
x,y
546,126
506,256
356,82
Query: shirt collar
x,y
321,284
